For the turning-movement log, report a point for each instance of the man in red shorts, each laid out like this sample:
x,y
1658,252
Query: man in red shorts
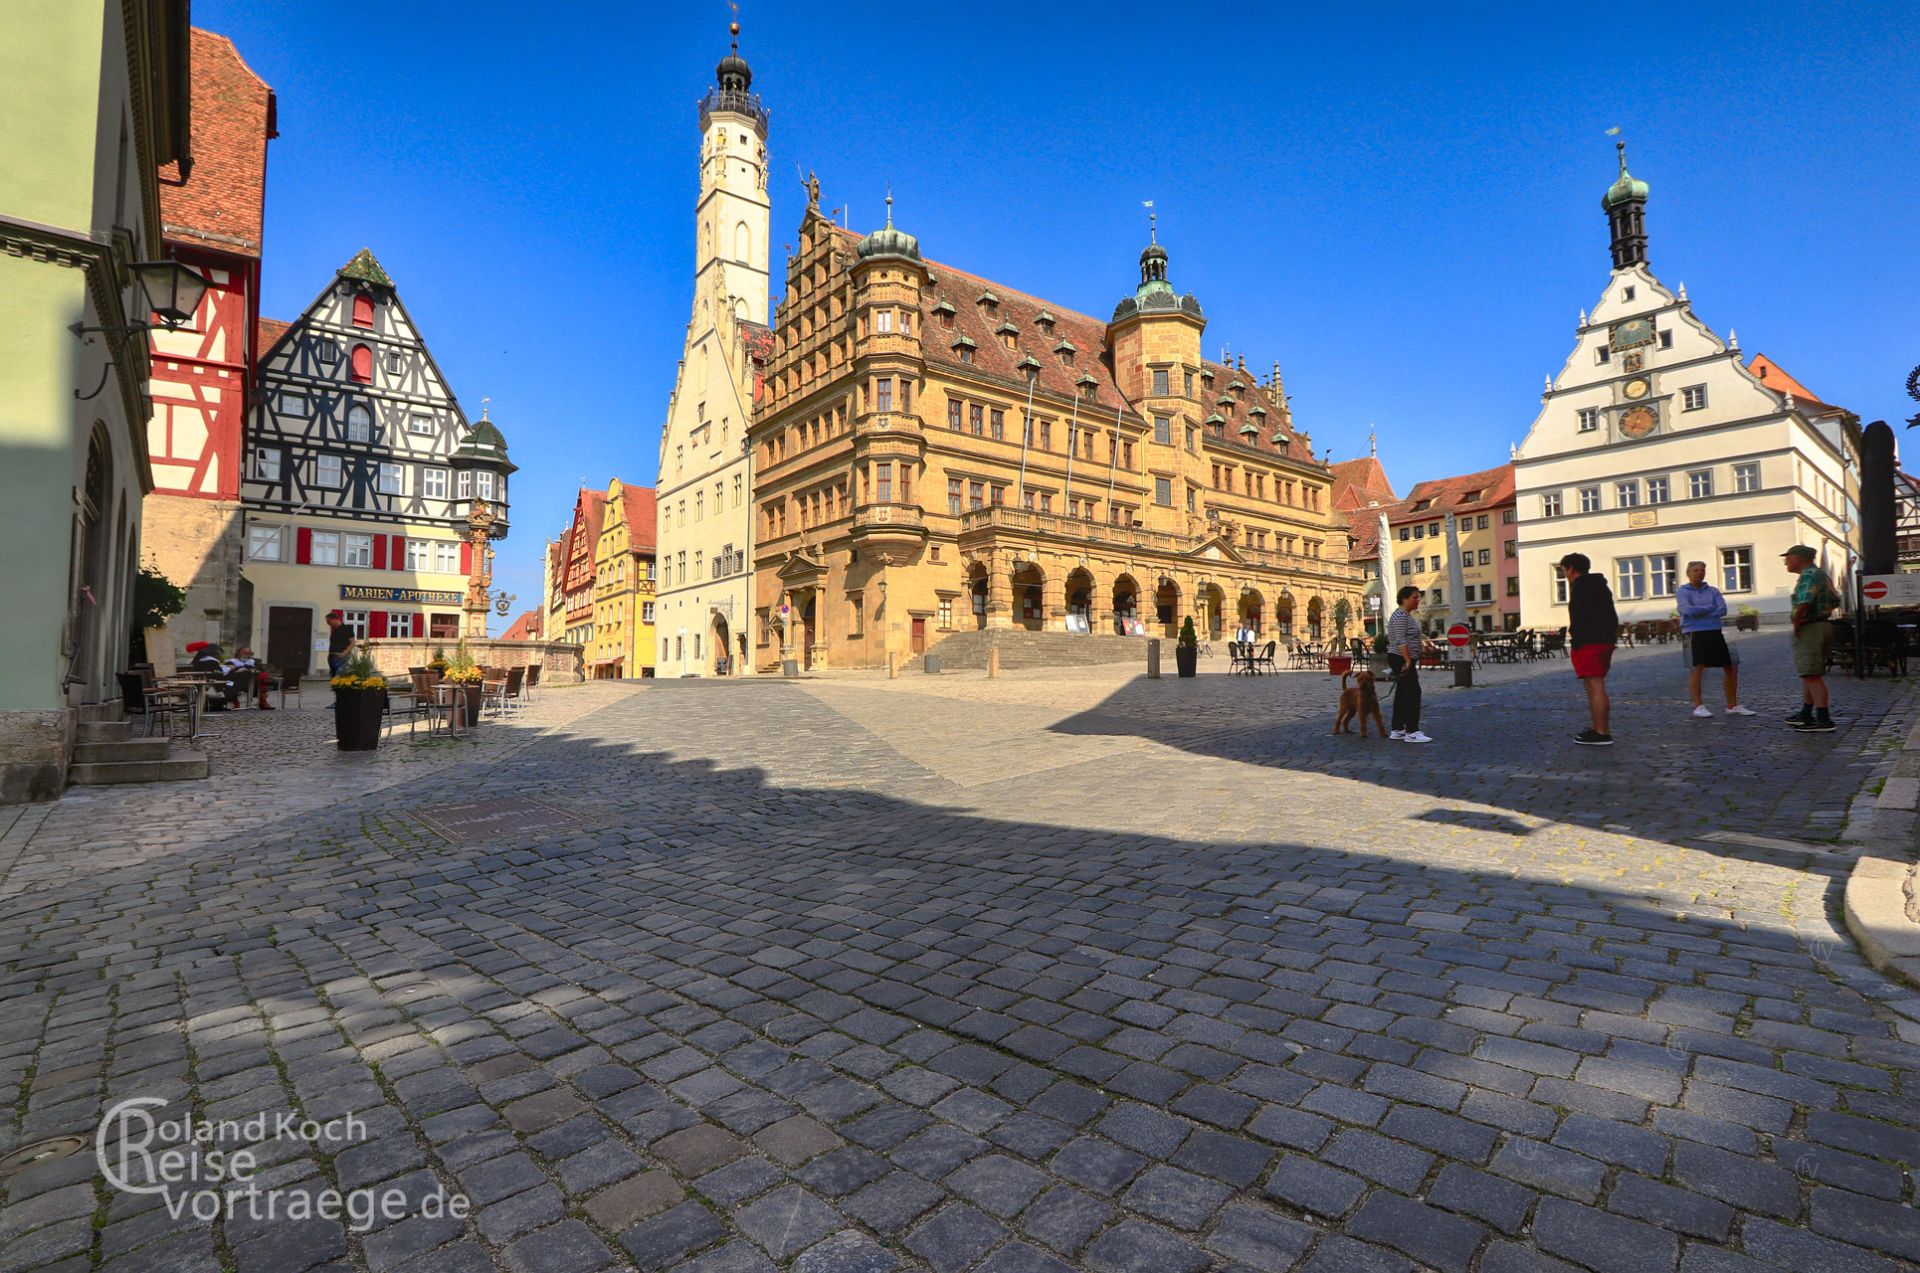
x,y
1592,630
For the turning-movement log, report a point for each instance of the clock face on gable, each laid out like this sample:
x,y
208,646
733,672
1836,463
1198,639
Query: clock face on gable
x,y
1638,423
1636,389
1631,334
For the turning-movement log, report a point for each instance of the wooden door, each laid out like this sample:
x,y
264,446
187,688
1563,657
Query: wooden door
x,y
919,635
290,638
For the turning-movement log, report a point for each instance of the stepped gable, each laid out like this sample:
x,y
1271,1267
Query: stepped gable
x,y
221,202
977,322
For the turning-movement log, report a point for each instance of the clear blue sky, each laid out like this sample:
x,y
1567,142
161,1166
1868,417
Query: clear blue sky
x,y
1401,205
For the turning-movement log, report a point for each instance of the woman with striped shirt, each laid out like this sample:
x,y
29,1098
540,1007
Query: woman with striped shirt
x,y
1404,640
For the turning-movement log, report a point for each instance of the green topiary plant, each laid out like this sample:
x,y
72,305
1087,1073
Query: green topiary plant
x,y
1342,616
1187,635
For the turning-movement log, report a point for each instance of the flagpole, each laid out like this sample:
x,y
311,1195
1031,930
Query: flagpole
x,y
1026,436
1113,461
1073,429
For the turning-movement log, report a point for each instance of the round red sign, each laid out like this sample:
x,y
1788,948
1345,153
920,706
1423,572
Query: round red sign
x,y
1874,591
1459,634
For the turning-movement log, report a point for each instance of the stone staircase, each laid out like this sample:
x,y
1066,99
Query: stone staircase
x,y
1020,648
105,751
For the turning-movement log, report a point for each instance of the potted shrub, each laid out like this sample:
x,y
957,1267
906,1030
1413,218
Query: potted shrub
x,y
359,701
1746,619
438,663
465,675
1186,652
1377,662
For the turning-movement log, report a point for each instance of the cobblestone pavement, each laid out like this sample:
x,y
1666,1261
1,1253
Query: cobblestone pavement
x,y
1068,970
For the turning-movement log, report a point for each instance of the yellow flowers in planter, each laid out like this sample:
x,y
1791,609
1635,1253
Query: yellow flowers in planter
x,y
359,674
463,670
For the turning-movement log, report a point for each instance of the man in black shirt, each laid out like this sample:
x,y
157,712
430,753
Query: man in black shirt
x,y
339,642
1592,631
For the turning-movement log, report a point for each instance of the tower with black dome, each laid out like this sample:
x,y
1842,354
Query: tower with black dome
x,y
733,213
1625,204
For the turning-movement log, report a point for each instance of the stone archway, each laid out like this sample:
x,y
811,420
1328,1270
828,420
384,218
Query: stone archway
x,y
719,646
1253,611
1166,607
1080,600
1209,603
1030,597
1126,603
1283,615
978,588
1316,619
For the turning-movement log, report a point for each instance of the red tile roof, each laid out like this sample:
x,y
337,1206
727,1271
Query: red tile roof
x,y
979,323
637,506
1777,378
223,200
525,628
1490,489
1357,483
265,332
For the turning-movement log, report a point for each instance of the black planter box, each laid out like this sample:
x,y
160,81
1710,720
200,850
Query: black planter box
x,y
356,718
1187,659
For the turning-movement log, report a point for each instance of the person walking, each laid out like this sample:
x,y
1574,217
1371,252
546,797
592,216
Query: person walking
x,y
1404,640
1703,641
1814,601
1593,628
339,644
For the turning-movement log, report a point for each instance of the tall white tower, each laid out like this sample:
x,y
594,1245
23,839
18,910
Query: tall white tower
x,y
734,216
703,622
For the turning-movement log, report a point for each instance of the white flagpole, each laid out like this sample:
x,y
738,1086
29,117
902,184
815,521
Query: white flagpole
x,y
1026,435
1073,442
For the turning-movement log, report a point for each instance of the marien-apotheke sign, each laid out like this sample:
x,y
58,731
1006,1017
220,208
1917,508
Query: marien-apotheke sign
x,y
418,596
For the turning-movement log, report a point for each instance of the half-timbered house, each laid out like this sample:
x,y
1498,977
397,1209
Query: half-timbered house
x,y
211,213
354,495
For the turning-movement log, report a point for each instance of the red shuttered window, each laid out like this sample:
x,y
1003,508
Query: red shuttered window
x,y
379,552
377,624
363,311
466,559
399,551
303,546
362,371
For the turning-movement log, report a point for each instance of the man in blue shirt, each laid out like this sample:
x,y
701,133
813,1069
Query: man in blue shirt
x,y
1703,642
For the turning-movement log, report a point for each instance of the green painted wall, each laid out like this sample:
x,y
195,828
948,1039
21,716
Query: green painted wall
x,y
37,411
50,105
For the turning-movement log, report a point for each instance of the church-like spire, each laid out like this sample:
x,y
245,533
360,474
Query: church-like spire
x,y
1625,204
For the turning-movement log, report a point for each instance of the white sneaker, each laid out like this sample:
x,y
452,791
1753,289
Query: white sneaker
x,y
1397,734
1415,737
1737,710
1702,711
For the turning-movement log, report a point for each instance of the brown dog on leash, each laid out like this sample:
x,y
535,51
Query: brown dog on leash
x,y
1358,700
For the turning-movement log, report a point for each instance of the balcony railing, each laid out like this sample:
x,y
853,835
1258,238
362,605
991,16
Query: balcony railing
x,y
1000,517
726,99
890,515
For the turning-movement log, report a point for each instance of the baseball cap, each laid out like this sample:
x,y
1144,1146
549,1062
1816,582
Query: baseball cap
x,y
1802,550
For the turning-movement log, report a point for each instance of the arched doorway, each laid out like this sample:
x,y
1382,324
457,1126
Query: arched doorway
x,y
1283,615
1253,611
807,629
1166,607
1126,603
720,643
977,588
1080,601
1208,603
1029,597
1316,614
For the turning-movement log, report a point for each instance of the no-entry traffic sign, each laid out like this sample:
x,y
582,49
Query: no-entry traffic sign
x,y
1891,590
1459,635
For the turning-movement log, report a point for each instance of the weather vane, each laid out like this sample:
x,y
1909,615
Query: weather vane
x,y
1152,218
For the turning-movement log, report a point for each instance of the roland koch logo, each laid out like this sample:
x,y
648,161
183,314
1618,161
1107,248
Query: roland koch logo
x,y
209,1169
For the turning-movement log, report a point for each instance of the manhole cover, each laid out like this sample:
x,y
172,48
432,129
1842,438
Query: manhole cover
x,y
40,1151
489,820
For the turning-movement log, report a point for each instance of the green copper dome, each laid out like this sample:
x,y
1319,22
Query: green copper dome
x,y
1625,187
887,241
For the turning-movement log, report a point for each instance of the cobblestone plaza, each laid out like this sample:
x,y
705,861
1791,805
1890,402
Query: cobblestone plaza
x,y
1061,970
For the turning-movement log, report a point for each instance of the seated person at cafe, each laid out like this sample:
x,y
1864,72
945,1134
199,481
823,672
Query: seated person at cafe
x,y
206,662
245,673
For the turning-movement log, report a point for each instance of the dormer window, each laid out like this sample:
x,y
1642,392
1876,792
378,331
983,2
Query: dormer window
x,y
1087,386
1065,350
1206,374
1009,334
1044,321
946,311
989,302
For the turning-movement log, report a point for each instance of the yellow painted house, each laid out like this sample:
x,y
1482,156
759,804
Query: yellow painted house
x,y
623,582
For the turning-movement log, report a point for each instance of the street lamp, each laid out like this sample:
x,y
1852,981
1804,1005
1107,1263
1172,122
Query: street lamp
x,y
172,290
